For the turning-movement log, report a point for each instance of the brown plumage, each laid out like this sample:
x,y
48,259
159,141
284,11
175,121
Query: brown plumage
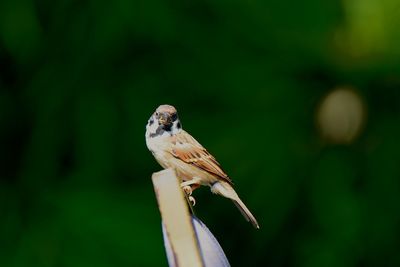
x,y
175,148
186,148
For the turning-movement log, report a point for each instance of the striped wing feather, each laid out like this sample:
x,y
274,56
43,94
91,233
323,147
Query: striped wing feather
x,y
187,149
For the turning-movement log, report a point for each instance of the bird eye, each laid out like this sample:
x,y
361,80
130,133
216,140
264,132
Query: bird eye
x,y
174,116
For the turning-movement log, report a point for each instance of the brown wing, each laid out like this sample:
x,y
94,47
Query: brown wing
x,y
187,149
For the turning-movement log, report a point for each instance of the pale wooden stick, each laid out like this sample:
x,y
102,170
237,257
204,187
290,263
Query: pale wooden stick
x,y
176,219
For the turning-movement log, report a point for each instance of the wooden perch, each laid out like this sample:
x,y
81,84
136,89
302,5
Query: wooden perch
x,y
176,219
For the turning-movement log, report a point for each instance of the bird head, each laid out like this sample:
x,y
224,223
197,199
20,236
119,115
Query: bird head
x,y
164,119
166,115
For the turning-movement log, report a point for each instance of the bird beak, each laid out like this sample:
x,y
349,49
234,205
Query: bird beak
x,y
164,119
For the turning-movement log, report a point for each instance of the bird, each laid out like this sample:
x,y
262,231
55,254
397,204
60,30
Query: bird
x,y
173,147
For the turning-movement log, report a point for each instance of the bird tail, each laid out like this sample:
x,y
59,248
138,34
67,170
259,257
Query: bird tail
x,y
226,190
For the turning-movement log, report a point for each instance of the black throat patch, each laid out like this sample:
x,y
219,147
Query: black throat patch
x,y
161,129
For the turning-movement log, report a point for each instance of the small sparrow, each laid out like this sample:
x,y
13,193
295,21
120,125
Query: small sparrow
x,y
174,148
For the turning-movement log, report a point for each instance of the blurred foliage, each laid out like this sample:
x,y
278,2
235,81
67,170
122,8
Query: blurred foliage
x,y
79,79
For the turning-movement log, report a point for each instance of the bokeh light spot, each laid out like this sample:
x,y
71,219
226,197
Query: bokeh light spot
x,y
341,116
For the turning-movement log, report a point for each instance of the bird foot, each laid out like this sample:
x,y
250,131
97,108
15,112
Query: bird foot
x,y
192,200
188,190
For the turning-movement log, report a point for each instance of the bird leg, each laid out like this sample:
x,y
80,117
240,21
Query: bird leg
x,y
188,187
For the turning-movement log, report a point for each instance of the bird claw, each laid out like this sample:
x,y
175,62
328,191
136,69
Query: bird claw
x,y
188,190
192,200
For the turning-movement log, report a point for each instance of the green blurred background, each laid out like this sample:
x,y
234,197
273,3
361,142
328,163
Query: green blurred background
x,y
251,80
